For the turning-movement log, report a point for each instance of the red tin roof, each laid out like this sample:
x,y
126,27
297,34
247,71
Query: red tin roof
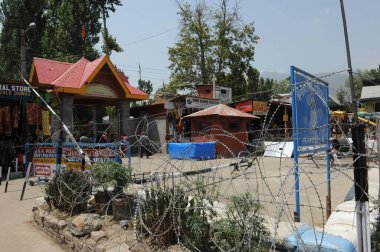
x,y
221,110
76,75
131,88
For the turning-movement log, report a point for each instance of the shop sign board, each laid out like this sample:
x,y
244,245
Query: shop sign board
x,y
44,160
200,103
14,90
45,157
245,106
259,106
72,159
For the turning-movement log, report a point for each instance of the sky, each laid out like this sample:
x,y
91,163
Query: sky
x,y
304,33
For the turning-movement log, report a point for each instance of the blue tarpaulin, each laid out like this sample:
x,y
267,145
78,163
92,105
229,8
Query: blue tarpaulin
x,y
308,239
204,150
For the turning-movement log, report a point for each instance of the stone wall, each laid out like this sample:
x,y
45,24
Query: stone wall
x,y
85,232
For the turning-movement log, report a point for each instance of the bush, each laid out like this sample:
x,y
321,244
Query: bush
x,y
243,228
112,174
69,191
160,213
169,216
199,214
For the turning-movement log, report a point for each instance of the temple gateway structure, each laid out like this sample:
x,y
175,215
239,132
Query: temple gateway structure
x,y
92,85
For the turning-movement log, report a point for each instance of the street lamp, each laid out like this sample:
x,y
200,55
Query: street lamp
x,y
23,48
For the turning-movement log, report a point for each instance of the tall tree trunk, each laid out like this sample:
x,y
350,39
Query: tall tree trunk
x,y
105,29
222,34
199,17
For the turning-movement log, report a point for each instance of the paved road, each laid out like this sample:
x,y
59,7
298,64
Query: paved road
x,y
17,230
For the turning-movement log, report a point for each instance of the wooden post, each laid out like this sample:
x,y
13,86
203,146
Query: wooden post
x,y
6,183
26,181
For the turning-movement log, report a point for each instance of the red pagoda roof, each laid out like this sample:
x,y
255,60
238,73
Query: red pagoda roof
x,y
76,75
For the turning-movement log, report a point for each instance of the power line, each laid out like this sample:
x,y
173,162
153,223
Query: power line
x,y
149,37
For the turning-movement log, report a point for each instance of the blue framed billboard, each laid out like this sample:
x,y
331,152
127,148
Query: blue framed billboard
x,y
310,119
310,110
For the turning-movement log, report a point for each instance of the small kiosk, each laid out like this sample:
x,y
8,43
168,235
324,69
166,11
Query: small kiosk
x,y
221,124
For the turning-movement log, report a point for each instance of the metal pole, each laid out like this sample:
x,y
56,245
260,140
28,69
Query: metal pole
x,y
1,174
353,98
360,165
61,136
297,213
6,183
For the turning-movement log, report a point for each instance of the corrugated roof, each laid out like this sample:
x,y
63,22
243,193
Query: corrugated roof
x,y
49,70
370,93
72,77
221,110
75,75
131,88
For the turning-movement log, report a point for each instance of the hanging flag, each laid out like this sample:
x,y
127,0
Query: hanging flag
x,y
83,31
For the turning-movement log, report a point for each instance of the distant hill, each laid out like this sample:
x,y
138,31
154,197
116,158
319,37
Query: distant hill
x,y
335,81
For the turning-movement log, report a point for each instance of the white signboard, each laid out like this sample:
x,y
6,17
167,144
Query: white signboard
x,y
99,90
200,103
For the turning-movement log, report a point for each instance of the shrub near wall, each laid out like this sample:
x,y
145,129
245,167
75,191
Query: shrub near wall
x,y
69,191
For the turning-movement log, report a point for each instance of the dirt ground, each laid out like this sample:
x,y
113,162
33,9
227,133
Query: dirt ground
x,y
270,179
17,230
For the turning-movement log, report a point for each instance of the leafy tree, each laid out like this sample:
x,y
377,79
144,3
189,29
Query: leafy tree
x,y
145,86
344,93
212,41
234,47
253,78
191,56
265,89
282,86
62,39
109,42
17,15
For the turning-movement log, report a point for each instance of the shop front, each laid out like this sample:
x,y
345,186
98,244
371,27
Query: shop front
x,y
18,122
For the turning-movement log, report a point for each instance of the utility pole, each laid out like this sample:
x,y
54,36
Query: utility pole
x,y
139,72
23,48
360,162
